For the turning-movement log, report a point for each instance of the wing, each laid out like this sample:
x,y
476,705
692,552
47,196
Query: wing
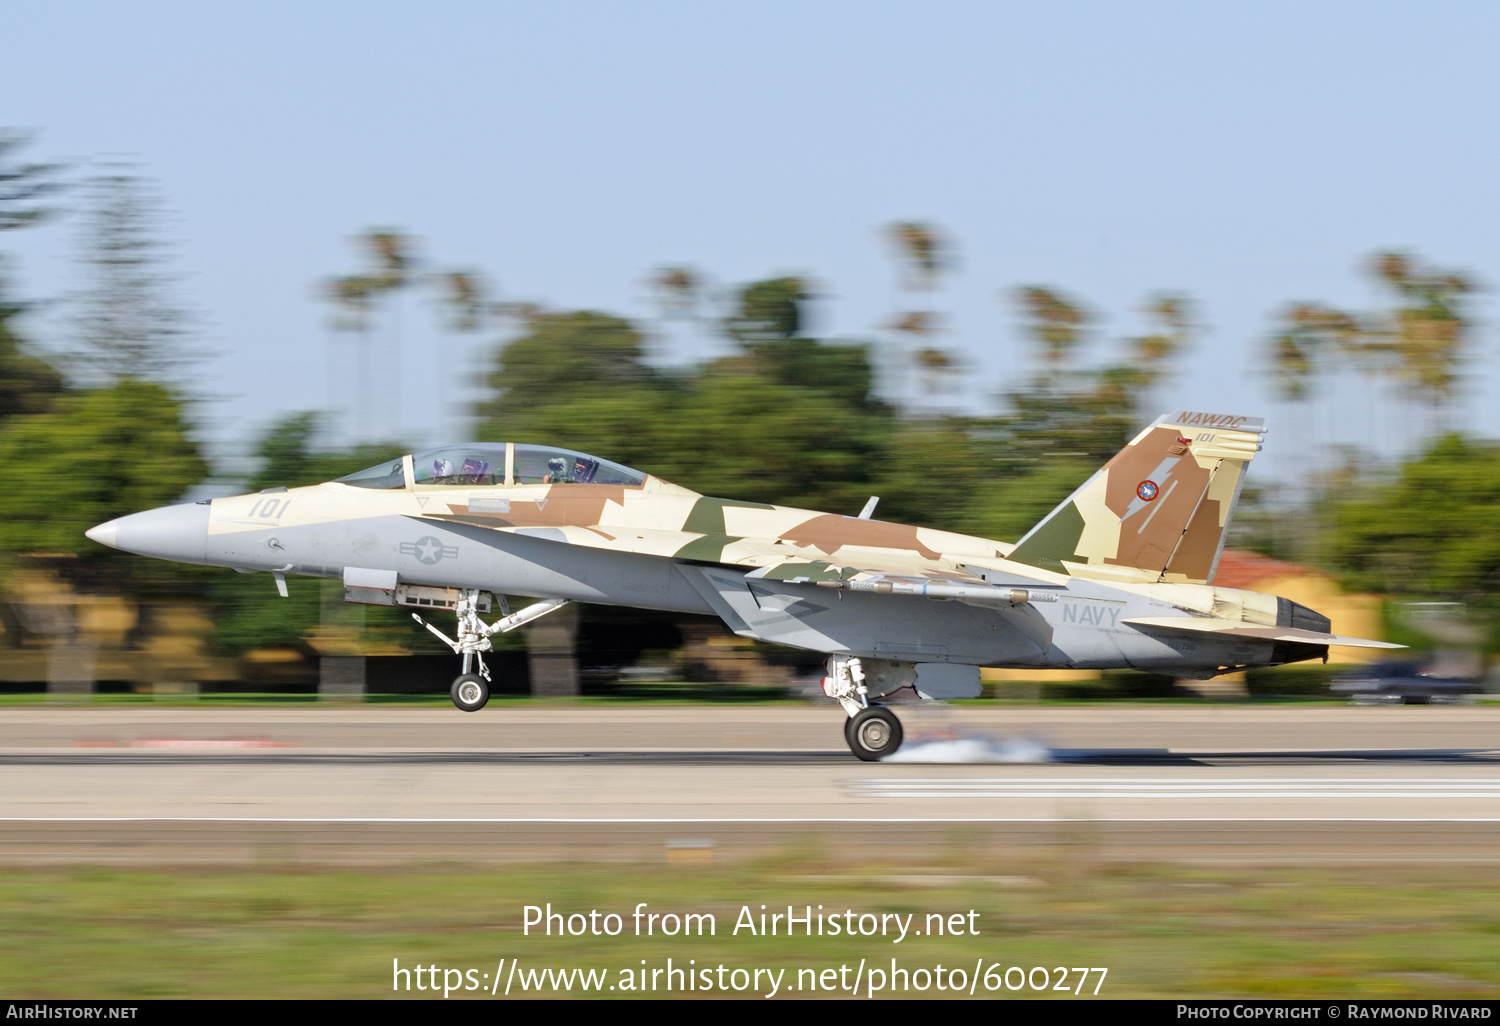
x,y
1215,625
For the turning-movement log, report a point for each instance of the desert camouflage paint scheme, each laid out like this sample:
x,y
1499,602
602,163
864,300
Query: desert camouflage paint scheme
x,y
1119,575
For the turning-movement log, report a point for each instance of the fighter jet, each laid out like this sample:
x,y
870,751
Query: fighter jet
x,y
1119,575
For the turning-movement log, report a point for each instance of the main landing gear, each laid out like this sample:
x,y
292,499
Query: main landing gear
x,y
872,731
470,691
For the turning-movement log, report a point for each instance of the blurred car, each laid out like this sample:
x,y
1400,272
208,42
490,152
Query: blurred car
x,y
1404,681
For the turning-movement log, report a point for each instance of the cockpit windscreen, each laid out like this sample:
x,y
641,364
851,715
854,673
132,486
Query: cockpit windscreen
x,y
384,475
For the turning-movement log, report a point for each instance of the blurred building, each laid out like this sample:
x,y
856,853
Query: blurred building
x,y
1351,614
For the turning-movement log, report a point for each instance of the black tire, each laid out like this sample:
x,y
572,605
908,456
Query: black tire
x,y
470,692
873,733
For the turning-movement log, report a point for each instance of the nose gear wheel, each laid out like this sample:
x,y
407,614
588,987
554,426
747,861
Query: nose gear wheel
x,y
470,692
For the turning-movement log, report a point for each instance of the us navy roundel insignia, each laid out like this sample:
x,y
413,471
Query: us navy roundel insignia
x,y
428,550
1146,490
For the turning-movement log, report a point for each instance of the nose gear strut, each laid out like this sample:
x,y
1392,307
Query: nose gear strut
x,y
470,690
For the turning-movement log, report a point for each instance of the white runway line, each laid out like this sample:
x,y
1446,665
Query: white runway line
x,y
1114,788
749,820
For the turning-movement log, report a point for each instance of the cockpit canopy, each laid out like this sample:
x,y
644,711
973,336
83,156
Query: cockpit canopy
x,y
484,464
460,465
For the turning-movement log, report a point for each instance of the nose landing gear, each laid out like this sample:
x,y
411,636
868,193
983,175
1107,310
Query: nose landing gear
x,y
871,731
470,691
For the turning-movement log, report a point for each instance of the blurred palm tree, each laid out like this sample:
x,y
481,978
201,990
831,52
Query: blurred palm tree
x,y
1056,324
464,296
468,307
1426,334
1309,336
390,266
1418,345
679,293
1152,354
24,186
128,320
924,256
924,252
677,290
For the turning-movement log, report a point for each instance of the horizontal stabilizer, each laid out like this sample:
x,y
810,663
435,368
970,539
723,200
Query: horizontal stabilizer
x,y
1215,625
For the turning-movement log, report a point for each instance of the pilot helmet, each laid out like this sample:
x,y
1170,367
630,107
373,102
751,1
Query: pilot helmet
x,y
556,465
442,468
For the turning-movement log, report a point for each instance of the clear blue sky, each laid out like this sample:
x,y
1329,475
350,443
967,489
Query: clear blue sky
x,y
1246,154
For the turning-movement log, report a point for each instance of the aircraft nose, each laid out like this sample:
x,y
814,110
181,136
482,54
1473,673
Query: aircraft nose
x,y
178,533
104,533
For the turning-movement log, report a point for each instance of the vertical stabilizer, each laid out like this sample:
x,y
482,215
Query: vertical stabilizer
x,y
1159,510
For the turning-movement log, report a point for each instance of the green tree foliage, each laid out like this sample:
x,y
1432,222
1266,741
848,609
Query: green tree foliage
x,y
794,420
287,455
841,372
1433,532
749,437
250,613
790,420
93,456
930,471
769,311
564,358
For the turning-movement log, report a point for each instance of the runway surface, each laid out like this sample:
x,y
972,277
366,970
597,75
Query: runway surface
x,y
378,785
